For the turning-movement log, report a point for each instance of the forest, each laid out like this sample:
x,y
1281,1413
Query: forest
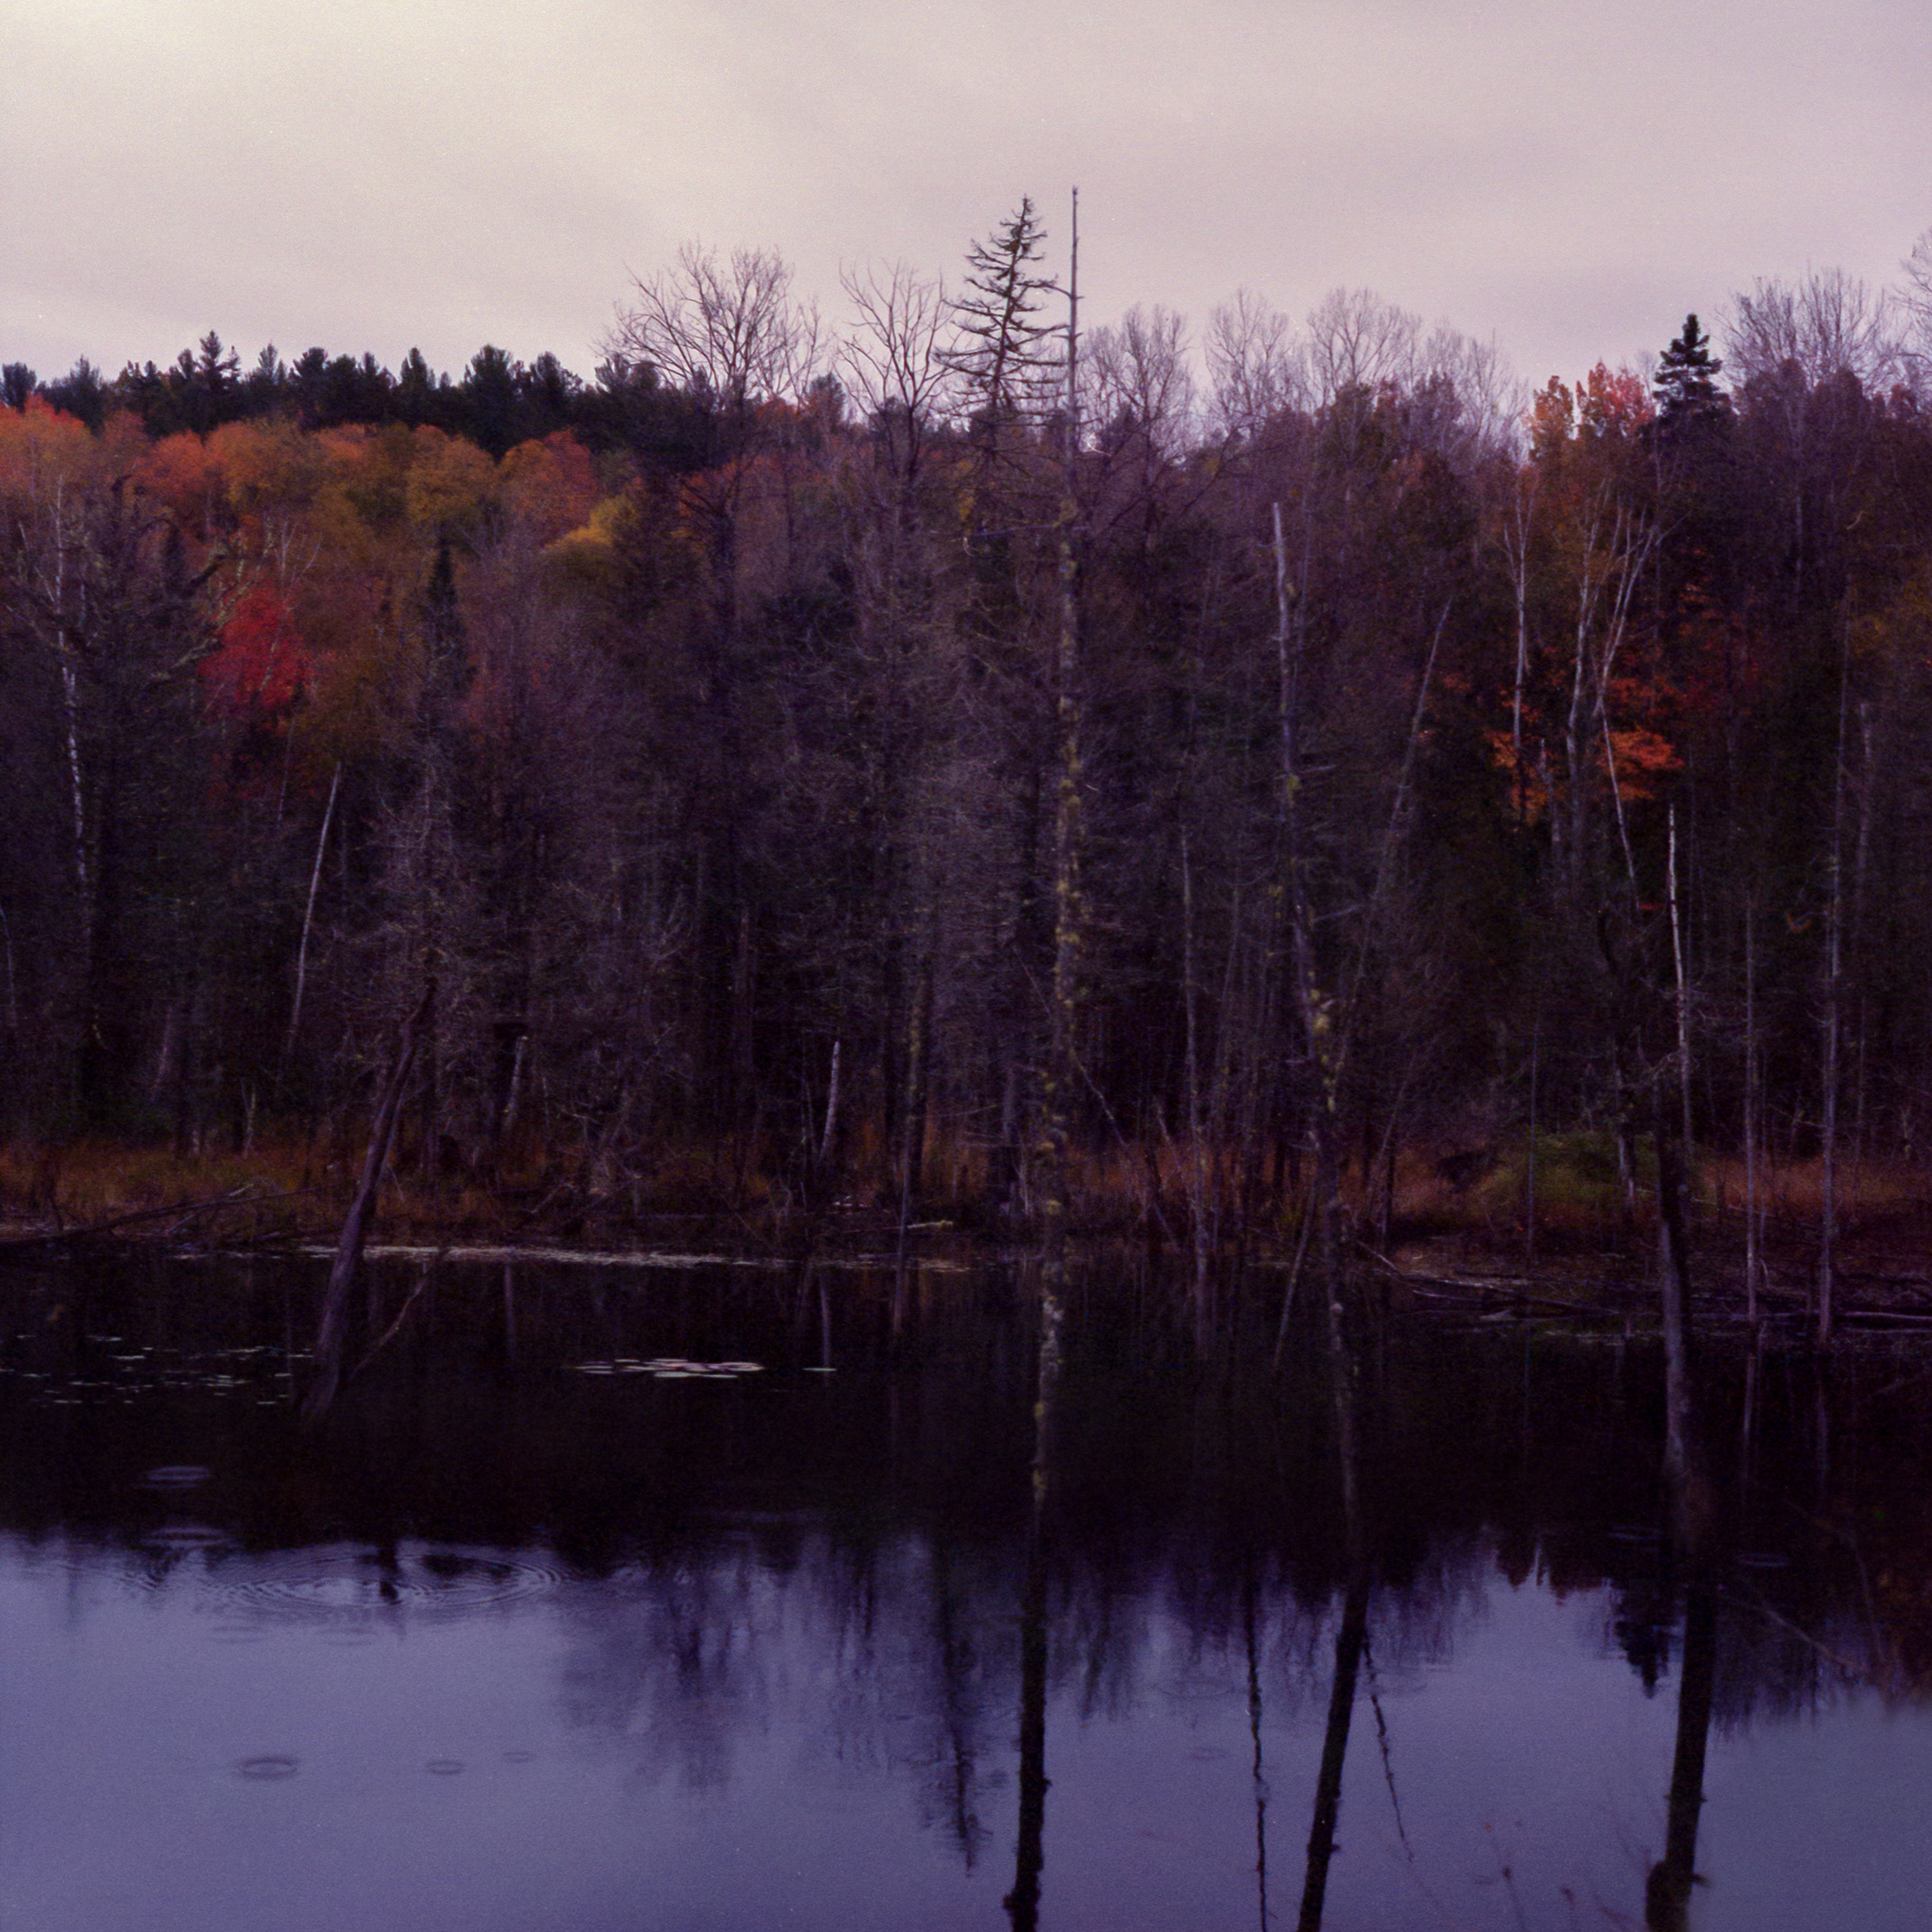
x,y
958,760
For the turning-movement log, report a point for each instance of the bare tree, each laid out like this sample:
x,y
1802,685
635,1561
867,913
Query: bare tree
x,y
1828,324
1138,384
1256,368
1358,341
1489,398
727,327
1915,299
1011,360
898,362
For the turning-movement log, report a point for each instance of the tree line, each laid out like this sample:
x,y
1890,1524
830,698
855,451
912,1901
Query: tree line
x,y
954,754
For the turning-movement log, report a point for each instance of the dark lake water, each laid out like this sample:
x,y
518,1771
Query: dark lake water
x,y
555,1622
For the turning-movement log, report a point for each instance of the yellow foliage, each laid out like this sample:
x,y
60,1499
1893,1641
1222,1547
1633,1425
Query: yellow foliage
x,y
590,552
451,484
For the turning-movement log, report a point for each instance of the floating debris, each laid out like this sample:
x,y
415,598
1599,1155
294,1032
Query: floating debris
x,y
669,1368
578,1257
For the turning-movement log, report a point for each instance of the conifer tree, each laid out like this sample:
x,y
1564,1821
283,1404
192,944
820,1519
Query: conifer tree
x,y
1685,388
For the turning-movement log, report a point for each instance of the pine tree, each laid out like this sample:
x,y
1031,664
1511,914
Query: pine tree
x,y
1685,388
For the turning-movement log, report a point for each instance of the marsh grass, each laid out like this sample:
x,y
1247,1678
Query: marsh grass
x,y
299,1186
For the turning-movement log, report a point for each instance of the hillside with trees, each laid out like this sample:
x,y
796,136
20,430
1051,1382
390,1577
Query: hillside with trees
x,y
903,762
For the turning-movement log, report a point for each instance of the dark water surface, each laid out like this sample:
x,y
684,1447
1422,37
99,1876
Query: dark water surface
x,y
510,1643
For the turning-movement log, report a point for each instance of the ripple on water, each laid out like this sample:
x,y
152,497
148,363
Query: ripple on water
x,y
268,1768
180,1539
341,1584
176,1476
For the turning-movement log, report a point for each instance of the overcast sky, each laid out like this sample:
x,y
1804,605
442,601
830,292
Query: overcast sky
x,y
1571,177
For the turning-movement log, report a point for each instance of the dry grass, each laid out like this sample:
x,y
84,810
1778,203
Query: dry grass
x,y
293,1185
82,1182
1795,1190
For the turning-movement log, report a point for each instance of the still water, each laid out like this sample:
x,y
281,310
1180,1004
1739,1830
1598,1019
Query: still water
x,y
684,1599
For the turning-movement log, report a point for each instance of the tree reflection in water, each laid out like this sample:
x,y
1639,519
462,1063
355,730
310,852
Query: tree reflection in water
x,y
1022,1902
848,1584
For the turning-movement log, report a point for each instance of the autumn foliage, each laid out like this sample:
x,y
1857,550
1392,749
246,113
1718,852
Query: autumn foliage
x,y
691,735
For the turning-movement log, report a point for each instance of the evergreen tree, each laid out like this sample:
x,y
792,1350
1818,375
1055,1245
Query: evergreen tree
x,y
489,393
81,393
264,384
208,380
419,396
308,379
1685,386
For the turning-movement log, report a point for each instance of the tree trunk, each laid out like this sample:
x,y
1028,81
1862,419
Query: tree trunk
x,y
1753,1227
308,922
1828,1230
332,1334
1064,995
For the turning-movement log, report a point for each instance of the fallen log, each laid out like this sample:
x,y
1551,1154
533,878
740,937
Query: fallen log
x,y
332,1332
186,1209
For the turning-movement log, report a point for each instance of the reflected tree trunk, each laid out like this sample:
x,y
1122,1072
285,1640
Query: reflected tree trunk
x,y
1667,1891
1351,1636
1250,1622
1674,1285
1351,1639
955,1649
1022,1902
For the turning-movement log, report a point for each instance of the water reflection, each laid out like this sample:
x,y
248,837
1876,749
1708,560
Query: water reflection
x,y
1022,1902
1002,1623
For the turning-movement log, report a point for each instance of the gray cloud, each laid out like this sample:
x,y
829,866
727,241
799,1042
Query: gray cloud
x,y
1571,177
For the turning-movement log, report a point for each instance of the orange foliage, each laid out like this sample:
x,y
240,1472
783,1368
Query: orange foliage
x,y
1642,756
269,466
550,483
1607,405
184,475
1613,403
39,446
